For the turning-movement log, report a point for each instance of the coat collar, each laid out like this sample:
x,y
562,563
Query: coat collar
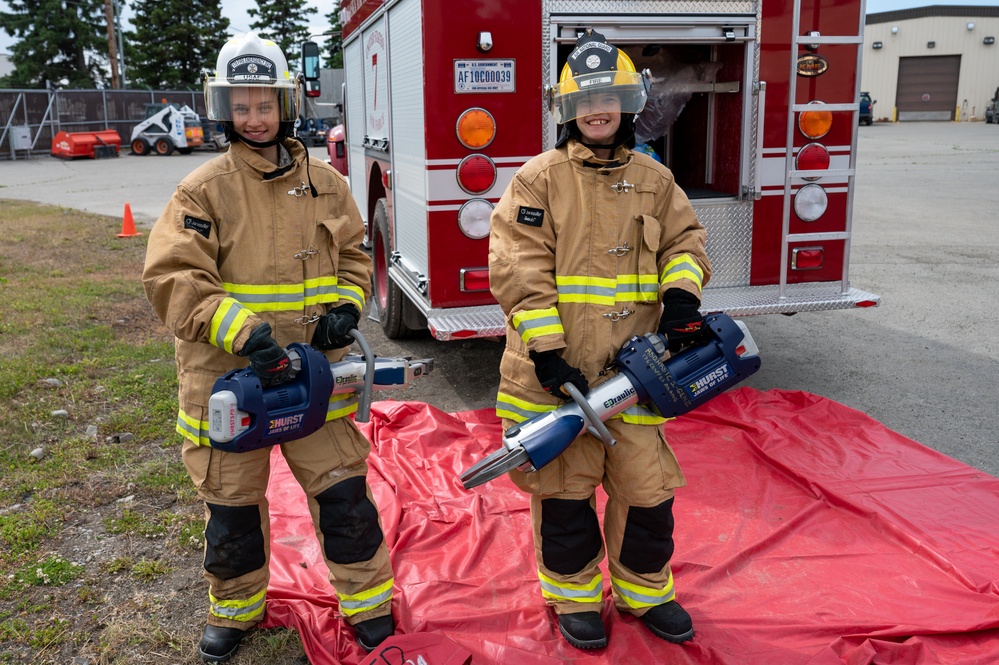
x,y
260,167
580,155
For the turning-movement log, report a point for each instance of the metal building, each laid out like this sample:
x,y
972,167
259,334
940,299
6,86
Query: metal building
x,y
932,63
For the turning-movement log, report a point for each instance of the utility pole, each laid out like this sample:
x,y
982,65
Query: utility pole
x,y
121,48
112,45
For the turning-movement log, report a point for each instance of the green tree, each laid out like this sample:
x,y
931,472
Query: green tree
x,y
334,39
173,41
285,22
65,43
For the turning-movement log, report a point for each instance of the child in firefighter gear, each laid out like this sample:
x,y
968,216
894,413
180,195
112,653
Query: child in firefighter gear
x,y
591,244
259,248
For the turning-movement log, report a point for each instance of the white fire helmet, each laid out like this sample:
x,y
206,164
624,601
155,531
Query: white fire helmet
x,y
250,62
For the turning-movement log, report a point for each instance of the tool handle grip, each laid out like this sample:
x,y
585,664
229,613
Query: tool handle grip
x,y
594,424
364,399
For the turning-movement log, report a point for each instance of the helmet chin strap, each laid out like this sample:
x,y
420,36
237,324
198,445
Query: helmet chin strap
x,y
286,131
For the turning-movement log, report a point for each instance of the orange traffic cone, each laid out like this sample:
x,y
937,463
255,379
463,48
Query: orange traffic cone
x,y
128,224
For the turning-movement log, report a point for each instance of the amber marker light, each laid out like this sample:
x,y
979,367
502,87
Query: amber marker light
x,y
815,123
476,128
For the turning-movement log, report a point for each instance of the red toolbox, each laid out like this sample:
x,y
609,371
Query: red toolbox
x,y
95,145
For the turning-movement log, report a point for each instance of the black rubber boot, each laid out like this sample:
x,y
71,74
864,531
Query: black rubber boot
x,y
670,622
219,644
583,630
372,632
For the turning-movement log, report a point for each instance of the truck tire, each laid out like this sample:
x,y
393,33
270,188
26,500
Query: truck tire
x,y
140,147
163,147
388,298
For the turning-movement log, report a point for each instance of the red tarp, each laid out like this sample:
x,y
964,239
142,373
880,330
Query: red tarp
x,y
809,533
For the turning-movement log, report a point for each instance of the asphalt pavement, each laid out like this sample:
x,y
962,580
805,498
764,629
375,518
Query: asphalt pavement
x,y
926,238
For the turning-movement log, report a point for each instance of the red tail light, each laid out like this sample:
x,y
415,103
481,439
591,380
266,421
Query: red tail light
x,y
476,174
474,279
813,157
806,258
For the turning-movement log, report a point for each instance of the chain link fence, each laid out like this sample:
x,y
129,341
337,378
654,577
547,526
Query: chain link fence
x,y
29,119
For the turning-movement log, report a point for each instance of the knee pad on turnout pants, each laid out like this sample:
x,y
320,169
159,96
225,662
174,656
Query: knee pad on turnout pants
x,y
570,535
349,521
234,541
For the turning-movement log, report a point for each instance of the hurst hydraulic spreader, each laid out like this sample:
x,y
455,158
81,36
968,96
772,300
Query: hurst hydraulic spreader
x,y
668,387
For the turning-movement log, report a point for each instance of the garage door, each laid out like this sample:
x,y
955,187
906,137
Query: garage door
x,y
927,87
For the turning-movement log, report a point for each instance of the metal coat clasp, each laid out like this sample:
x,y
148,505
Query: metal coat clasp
x,y
622,186
306,253
306,319
617,316
620,250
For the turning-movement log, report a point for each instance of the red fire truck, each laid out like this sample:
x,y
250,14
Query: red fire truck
x,y
754,108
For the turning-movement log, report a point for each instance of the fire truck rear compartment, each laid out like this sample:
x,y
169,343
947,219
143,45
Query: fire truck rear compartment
x,y
692,120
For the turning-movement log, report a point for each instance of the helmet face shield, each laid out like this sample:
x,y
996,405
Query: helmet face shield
x,y
251,75
225,102
588,94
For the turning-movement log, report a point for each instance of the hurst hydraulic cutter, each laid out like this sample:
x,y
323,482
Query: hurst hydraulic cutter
x,y
668,387
245,416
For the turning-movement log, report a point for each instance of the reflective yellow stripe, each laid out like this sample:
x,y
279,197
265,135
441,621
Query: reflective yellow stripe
x,y
591,592
637,597
341,405
351,293
583,289
227,322
607,291
238,610
682,267
285,297
639,415
531,323
195,431
366,600
637,288
518,410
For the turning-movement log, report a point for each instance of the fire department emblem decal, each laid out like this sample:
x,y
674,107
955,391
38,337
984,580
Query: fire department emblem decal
x,y
593,61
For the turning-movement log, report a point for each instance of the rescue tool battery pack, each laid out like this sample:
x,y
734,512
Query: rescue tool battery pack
x,y
245,416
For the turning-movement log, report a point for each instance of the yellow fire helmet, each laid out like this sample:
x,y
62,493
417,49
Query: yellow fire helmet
x,y
254,63
596,67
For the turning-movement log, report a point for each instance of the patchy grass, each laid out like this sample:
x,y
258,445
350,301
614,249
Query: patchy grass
x,y
100,528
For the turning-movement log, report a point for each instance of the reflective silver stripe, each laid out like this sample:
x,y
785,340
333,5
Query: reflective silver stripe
x,y
633,287
355,606
636,599
519,410
238,613
225,325
195,431
586,290
531,324
578,595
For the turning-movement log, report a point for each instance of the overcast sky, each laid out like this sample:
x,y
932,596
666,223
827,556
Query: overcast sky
x,y
239,20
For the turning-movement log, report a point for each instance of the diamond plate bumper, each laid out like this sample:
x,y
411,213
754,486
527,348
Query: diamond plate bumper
x,y
752,300
488,321
466,322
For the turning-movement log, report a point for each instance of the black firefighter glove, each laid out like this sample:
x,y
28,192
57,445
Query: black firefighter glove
x,y
681,322
552,371
267,360
333,329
